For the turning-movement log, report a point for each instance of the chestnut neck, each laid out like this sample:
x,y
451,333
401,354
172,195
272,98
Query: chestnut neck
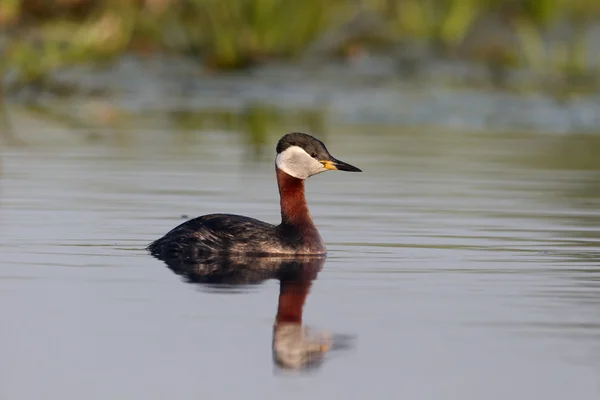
x,y
294,209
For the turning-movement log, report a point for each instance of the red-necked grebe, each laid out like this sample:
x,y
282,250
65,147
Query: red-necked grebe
x,y
299,156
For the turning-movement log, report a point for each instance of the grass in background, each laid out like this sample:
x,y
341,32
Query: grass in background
x,y
39,37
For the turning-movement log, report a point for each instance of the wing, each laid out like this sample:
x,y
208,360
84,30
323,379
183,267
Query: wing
x,y
212,234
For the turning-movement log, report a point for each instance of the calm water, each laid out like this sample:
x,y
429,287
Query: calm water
x,y
466,266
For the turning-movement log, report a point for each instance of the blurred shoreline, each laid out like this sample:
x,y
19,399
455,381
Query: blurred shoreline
x,y
354,94
459,64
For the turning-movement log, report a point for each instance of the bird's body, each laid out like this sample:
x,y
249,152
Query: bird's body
x,y
228,234
298,157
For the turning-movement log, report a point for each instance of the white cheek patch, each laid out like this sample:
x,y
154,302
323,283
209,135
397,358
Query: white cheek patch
x,y
298,163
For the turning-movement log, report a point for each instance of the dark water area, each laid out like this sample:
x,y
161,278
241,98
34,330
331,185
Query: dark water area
x,y
461,265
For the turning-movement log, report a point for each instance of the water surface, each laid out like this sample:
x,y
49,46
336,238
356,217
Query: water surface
x,y
464,265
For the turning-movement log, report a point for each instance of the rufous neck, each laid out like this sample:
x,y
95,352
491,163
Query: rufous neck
x,y
294,209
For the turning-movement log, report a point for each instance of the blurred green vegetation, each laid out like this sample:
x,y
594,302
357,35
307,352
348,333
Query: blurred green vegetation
x,y
40,36
100,121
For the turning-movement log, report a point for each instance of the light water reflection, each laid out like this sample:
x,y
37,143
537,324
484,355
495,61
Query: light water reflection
x,y
295,346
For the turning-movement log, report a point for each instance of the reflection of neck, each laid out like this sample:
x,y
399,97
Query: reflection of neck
x,y
292,295
294,210
295,282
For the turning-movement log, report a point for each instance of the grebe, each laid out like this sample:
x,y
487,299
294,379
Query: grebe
x,y
299,156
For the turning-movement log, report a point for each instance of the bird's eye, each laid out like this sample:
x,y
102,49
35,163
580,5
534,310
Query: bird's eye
x,y
313,154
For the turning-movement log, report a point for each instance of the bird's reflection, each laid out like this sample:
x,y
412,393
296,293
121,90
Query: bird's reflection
x,y
294,345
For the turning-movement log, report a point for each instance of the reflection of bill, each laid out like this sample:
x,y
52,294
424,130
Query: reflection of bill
x,y
295,346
